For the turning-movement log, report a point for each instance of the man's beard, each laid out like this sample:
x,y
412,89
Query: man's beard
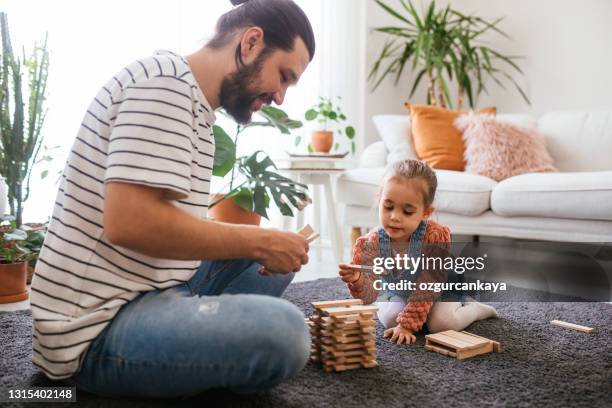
x,y
236,95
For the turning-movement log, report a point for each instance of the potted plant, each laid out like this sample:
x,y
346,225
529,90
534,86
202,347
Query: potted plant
x,y
326,113
14,258
252,182
21,121
36,233
446,46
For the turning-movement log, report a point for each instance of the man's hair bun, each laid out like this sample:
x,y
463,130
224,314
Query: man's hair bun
x,y
238,2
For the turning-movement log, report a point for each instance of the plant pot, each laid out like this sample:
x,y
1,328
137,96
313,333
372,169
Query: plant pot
x,y
29,274
322,141
13,282
230,212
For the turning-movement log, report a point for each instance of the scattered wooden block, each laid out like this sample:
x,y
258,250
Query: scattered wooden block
x,y
572,326
460,345
306,231
343,335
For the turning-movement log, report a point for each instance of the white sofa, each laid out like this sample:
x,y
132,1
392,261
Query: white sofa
x,y
572,205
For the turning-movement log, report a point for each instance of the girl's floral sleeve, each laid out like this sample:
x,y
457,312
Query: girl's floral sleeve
x,y
437,242
364,252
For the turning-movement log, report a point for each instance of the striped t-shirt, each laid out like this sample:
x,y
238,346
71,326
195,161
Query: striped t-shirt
x,y
150,125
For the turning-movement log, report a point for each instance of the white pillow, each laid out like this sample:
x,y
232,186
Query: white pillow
x,y
518,119
394,130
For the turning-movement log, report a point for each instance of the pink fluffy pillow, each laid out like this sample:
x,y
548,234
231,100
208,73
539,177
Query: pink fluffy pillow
x,y
500,150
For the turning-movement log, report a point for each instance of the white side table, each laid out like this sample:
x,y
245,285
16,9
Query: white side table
x,y
318,177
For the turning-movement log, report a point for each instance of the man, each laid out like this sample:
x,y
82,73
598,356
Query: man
x,y
120,305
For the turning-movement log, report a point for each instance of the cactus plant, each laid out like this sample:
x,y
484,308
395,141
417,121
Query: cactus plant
x,y
23,85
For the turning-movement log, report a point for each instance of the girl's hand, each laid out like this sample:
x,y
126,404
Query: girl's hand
x,y
348,274
399,334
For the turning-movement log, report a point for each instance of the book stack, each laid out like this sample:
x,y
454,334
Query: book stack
x,y
343,335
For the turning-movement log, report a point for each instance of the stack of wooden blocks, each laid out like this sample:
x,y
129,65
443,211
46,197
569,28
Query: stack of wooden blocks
x,y
343,335
460,345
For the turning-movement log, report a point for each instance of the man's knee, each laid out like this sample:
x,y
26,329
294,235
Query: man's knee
x,y
285,340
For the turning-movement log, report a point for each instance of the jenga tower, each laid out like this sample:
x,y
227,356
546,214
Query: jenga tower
x,y
343,335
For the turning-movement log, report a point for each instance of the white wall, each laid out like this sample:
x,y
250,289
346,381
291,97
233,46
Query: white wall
x,y
566,45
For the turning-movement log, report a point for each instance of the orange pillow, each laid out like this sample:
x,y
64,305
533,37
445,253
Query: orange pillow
x,y
436,140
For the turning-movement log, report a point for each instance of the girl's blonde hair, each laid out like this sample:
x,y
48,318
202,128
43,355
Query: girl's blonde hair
x,y
410,169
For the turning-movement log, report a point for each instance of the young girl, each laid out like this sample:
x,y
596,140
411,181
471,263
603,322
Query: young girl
x,y
404,207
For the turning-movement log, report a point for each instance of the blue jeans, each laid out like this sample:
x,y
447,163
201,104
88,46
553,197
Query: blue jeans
x,y
224,328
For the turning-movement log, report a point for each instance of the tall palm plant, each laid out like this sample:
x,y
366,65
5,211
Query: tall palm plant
x,y
445,46
22,114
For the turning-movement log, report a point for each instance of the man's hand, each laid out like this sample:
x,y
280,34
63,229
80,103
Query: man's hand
x,y
398,335
282,252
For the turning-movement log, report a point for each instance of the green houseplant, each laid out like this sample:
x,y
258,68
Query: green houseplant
x,y
326,113
23,84
445,46
253,183
18,247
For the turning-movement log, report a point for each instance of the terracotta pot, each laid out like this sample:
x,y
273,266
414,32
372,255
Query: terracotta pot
x,y
13,282
322,141
230,212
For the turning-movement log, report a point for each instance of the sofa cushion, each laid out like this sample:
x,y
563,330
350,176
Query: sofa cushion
x,y
579,141
394,130
436,140
458,192
585,195
500,150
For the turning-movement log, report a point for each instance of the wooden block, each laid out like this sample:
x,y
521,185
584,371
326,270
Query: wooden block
x,y
344,321
347,339
440,350
352,346
351,353
460,345
369,364
306,231
485,348
312,237
361,267
455,340
337,303
351,310
344,367
349,360
572,326
496,345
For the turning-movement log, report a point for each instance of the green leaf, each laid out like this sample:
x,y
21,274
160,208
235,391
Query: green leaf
x,y
278,118
350,132
310,148
244,199
417,81
298,140
225,152
393,12
336,146
274,113
353,147
259,199
311,114
44,174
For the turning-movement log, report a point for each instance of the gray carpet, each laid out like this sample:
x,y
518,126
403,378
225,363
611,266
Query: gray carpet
x,y
541,365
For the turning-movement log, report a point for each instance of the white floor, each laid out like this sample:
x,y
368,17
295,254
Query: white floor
x,y
316,269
